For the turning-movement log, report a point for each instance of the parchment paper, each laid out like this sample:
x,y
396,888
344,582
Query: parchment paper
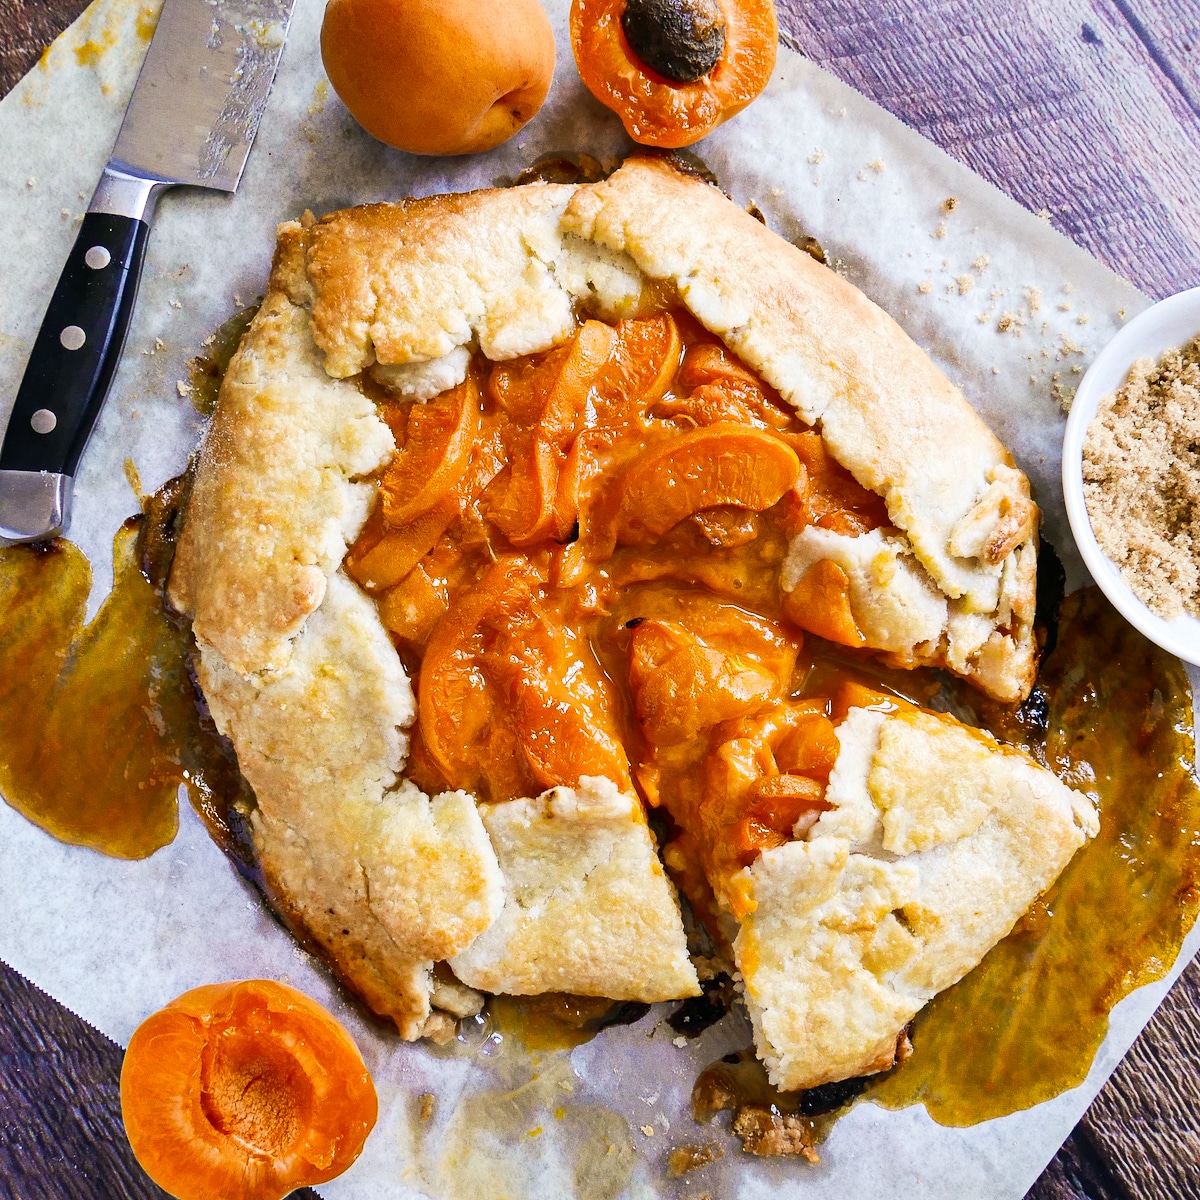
x,y
1011,310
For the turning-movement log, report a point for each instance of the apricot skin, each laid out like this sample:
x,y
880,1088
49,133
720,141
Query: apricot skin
x,y
439,76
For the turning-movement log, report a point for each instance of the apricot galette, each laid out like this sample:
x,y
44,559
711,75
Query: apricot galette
x,y
525,511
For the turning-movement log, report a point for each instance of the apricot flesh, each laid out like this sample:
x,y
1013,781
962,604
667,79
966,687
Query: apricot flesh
x,y
716,466
244,1091
439,76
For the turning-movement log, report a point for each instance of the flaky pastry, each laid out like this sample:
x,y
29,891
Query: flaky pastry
x,y
564,890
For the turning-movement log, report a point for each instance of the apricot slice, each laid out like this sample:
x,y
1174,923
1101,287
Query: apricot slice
x,y
707,362
564,408
411,609
455,706
435,454
779,801
820,603
654,109
853,694
555,396
833,499
525,512
809,747
720,465
640,370
395,554
681,686
244,1091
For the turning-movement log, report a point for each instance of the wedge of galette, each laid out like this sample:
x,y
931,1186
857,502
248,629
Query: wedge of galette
x,y
524,512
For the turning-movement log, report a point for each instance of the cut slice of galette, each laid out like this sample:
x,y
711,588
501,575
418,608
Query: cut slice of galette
x,y
525,511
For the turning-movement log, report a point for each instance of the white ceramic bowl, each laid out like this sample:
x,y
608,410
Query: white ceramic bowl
x,y
1168,323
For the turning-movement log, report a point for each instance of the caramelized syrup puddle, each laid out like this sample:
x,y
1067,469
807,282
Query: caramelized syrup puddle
x,y
100,724
1116,721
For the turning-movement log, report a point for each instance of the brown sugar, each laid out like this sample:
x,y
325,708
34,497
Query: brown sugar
x,y
1141,480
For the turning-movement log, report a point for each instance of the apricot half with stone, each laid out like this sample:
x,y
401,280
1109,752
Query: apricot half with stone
x,y
244,1091
439,76
673,70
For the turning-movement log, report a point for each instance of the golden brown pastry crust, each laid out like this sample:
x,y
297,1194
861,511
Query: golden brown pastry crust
x,y
938,840
279,492
284,483
586,910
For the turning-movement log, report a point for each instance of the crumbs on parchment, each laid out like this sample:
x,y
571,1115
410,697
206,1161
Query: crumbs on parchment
x,y
1141,480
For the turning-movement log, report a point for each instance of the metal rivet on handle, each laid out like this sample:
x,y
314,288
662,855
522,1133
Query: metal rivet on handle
x,y
97,258
43,421
72,337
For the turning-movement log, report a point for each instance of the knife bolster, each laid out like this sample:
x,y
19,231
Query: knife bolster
x,y
122,193
34,505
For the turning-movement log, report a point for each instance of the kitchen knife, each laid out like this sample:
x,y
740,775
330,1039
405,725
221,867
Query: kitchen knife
x,y
191,120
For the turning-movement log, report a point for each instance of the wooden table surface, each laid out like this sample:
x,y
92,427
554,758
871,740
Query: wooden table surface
x,y
1085,111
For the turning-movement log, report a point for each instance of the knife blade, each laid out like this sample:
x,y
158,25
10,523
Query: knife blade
x,y
191,120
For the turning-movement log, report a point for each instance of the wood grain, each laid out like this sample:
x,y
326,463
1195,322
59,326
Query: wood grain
x,y
1088,110
1057,102
27,27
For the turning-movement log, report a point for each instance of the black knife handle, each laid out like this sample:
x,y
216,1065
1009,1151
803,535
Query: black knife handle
x,y
77,348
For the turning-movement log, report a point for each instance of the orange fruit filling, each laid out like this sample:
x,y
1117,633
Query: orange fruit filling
x,y
577,554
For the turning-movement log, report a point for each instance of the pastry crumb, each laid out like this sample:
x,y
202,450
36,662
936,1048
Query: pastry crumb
x,y
426,1109
940,231
688,1157
648,1130
878,166
1141,480
965,284
818,156
680,1042
949,204
981,263
924,287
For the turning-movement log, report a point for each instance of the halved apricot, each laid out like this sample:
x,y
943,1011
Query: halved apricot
x,y
719,465
820,603
244,1091
437,449
655,110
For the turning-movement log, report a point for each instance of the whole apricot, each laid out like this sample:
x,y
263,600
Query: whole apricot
x,y
439,76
